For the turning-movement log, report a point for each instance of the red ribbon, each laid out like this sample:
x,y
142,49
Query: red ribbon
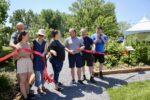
x,y
47,77
101,53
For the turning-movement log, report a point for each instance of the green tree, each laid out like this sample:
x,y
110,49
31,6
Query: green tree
x,y
4,6
52,19
5,33
123,26
90,13
21,15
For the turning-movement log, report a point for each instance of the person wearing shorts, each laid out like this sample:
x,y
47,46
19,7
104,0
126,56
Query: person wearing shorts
x,y
88,58
74,46
99,39
24,64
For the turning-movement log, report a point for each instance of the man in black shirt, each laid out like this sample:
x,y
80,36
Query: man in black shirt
x,y
88,58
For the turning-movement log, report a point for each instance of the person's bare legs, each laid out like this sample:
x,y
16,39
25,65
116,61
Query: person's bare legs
x,y
73,73
23,81
79,73
17,75
100,66
100,70
91,70
83,70
28,82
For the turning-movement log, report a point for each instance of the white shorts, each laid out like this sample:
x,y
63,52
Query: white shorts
x,y
24,65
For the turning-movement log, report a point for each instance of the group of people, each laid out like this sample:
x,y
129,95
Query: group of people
x,y
54,51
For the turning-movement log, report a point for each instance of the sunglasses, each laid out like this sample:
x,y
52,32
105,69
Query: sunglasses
x,y
41,35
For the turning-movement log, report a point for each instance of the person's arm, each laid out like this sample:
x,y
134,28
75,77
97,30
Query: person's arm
x,y
105,39
81,45
31,45
17,56
51,50
12,41
45,49
66,47
95,40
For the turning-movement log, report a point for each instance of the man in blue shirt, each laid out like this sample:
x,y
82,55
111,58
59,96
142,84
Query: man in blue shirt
x,y
99,39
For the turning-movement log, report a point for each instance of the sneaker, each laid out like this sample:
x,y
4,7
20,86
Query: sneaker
x,y
73,81
59,89
44,89
101,75
60,84
92,79
80,82
84,77
40,91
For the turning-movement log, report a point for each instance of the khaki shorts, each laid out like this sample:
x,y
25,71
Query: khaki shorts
x,y
24,65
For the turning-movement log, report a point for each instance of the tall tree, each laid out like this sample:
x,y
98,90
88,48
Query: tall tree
x,y
21,15
123,26
90,13
4,6
53,19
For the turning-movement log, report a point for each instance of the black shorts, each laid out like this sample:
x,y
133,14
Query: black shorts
x,y
88,59
99,57
75,60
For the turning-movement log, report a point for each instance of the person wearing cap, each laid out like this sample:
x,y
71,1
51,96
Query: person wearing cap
x,y
39,45
74,46
88,58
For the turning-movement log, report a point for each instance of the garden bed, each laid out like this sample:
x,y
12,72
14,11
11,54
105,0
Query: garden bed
x,y
123,70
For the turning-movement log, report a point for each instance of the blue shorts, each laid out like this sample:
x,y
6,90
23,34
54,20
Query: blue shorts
x,y
75,60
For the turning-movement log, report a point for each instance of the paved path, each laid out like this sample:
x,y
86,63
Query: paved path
x,y
88,91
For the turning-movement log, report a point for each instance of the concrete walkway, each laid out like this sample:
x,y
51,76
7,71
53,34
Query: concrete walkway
x,y
88,91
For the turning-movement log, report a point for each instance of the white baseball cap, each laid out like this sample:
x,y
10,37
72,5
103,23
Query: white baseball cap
x,y
41,32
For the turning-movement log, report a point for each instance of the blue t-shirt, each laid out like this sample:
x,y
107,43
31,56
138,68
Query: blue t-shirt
x,y
99,45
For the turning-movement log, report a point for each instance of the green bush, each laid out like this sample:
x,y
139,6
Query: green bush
x,y
5,83
116,50
140,56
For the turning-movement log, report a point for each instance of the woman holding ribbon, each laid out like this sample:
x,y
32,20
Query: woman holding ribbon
x,y
57,51
39,45
24,64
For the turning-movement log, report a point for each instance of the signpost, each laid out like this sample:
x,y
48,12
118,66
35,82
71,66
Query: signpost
x,y
129,49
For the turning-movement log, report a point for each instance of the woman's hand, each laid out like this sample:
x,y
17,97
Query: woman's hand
x,y
71,52
53,52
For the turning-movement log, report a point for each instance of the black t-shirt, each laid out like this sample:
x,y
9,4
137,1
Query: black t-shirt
x,y
59,48
88,42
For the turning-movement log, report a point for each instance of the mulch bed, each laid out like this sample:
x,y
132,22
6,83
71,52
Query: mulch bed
x,y
123,70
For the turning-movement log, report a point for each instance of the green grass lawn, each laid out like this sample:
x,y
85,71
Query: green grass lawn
x,y
6,48
132,91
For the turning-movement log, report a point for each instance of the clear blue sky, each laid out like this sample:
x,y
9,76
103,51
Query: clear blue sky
x,y
126,10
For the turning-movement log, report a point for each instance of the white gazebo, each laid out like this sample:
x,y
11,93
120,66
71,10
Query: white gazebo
x,y
142,26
